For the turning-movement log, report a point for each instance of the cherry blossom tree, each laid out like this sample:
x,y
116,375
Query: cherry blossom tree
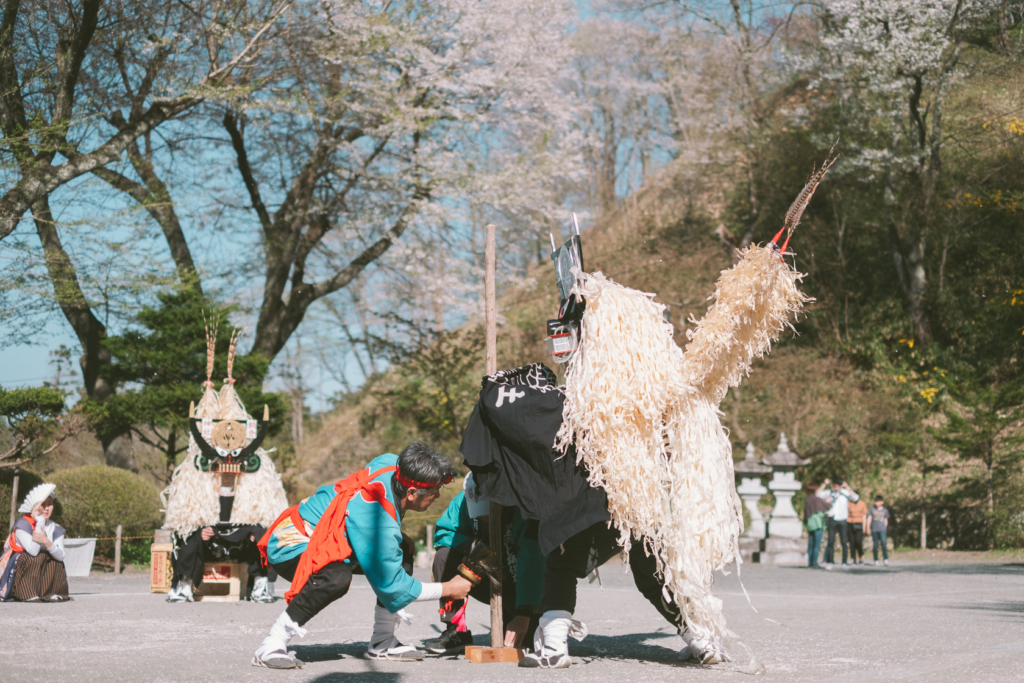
x,y
893,64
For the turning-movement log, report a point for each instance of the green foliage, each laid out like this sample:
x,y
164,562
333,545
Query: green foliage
x,y
136,552
27,417
160,368
429,396
18,404
93,500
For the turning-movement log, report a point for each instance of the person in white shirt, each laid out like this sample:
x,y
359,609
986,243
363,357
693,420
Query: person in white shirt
x,y
32,564
839,496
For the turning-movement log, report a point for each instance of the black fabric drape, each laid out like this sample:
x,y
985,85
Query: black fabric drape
x,y
508,445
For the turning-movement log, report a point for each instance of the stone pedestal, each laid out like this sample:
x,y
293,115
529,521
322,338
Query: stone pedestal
x,y
748,474
785,543
785,523
785,551
750,491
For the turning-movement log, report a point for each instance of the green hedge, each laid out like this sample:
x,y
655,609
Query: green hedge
x,y
94,499
26,481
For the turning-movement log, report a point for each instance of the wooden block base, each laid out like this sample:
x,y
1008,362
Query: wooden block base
x,y
479,654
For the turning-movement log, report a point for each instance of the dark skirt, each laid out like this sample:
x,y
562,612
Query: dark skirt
x,y
39,578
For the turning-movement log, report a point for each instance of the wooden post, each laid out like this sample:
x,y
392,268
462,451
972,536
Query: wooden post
x,y
430,537
14,498
924,530
117,550
494,517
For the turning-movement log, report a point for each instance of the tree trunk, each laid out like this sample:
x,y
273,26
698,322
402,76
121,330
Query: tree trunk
x,y
170,455
152,194
117,450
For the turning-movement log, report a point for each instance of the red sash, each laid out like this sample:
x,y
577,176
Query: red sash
x,y
329,543
12,540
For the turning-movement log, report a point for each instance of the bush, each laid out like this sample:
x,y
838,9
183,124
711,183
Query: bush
x,y
95,499
26,481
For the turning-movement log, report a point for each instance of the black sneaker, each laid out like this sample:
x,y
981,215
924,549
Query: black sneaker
x,y
451,642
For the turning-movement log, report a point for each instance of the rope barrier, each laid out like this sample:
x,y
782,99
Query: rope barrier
x,y
125,538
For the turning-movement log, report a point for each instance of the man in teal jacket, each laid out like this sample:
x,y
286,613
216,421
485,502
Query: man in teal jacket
x,y
355,526
523,573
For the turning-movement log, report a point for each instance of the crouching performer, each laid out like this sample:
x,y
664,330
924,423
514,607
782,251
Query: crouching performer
x,y
459,530
355,526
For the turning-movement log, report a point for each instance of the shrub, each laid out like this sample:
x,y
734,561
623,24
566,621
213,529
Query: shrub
x,y
26,481
96,498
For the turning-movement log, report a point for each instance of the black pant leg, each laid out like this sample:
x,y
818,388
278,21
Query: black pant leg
x,y
565,566
188,561
321,589
844,539
286,568
645,575
856,530
830,548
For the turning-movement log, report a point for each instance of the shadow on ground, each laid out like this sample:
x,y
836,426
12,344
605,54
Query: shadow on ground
x,y
951,568
632,646
329,652
369,676
1008,608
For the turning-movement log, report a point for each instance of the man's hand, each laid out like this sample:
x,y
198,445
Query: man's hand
x,y
207,533
515,631
457,588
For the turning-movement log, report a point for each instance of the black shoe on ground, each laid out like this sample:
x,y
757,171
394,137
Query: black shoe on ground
x,y
450,642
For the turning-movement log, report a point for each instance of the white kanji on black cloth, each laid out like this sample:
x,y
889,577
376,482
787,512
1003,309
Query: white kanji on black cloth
x,y
510,394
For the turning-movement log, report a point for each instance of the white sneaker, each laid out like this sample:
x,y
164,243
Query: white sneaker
x,y
876,563
885,562
393,650
383,643
273,652
551,641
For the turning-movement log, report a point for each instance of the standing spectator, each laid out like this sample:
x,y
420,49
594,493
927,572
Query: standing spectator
x,y
878,517
839,496
855,523
814,519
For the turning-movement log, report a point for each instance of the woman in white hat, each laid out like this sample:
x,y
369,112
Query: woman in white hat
x,y
32,564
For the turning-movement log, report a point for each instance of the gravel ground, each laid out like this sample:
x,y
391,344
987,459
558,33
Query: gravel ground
x,y
912,621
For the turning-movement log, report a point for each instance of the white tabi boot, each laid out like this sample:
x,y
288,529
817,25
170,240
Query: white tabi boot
x,y
182,592
262,590
551,641
384,644
705,649
273,652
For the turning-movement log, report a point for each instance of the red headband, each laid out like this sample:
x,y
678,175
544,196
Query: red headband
x,y
413,484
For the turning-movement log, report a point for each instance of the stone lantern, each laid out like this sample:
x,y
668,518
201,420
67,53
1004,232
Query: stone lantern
x,y
748,473
785,530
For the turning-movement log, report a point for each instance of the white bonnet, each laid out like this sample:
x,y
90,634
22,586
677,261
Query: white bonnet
x,y
37,496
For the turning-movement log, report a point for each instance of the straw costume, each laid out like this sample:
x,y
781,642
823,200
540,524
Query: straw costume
x,y
227,484
642,416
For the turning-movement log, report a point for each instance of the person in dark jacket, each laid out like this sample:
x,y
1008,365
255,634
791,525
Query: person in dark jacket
x,y
814,520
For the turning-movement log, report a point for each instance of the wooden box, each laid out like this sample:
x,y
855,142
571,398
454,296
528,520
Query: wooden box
x,y
223,582
161,571
479,654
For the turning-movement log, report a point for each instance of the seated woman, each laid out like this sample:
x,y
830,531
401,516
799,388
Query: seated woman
x,y
32,565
